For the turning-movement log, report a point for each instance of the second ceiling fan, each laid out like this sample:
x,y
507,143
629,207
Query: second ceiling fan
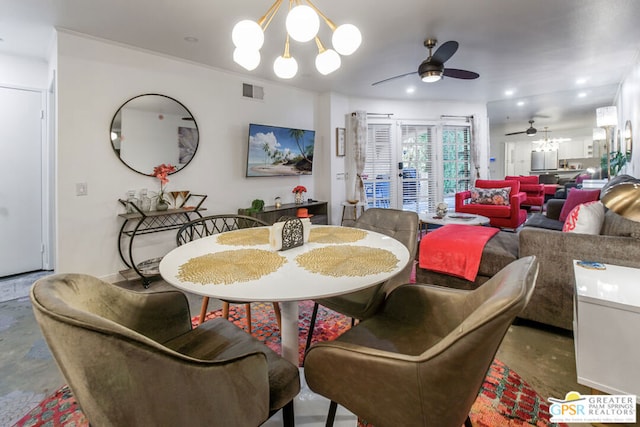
x,y
531,131
432,69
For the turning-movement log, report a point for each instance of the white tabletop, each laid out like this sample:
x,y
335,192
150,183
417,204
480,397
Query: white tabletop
x,y
290,282
454,218
613,286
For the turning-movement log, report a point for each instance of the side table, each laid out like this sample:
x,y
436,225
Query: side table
x,y
451,218
139,223
606,320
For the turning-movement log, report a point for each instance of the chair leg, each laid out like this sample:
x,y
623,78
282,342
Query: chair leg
x,y
225,310
331,416
312,325
288,419
276,310
248,310
467,422
203,309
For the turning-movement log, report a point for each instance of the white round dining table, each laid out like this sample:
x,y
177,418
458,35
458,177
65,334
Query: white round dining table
x,y
289,283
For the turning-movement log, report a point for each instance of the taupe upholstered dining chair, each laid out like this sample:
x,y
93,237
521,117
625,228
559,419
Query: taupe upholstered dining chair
x,y
402,226
133,359
216,224
422,359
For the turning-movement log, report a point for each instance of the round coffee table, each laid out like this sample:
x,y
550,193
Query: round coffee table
x,y
451,218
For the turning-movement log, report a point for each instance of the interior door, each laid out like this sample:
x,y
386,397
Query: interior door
x,y
21,177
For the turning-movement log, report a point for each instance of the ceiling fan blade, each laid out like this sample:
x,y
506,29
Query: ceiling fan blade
x,y
394,77
445,51
460,74
515,133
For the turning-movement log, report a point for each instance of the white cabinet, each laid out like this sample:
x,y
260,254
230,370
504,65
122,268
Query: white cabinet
x,y
606,322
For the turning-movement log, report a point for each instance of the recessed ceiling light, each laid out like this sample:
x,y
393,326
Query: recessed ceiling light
x,y
520,103
191,39
509,92
582,95
411,89
581,80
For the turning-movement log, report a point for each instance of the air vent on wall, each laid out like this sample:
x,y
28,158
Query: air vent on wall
x,y
252,91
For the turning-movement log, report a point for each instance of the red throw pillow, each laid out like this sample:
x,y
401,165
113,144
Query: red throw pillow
x,y
577,197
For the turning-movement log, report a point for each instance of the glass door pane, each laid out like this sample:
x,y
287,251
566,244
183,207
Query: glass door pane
x,y
419,187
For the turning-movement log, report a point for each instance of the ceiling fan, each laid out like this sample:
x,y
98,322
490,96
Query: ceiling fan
x,y
531,131
432,69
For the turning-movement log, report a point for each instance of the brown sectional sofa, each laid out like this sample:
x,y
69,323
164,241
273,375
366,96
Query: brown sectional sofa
x,y
552,301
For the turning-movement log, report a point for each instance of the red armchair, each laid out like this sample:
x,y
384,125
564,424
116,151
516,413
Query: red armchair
x,y
505,216
530,185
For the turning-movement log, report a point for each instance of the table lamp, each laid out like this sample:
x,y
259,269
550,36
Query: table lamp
x,y
624,199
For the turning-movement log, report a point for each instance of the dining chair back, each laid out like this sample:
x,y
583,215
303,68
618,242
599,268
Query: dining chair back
x,y
133,359
216,224
422,359
402,226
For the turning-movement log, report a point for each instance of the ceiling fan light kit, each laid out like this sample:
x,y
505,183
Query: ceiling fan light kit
x,y
432,69
302,24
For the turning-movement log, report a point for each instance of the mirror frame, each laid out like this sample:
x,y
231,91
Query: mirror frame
x,y
628,140
117,151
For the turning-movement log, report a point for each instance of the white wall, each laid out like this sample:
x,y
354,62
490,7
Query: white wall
x,y
21,72
94,79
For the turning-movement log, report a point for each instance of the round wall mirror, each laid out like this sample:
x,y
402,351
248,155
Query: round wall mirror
x,y
149,130
628,140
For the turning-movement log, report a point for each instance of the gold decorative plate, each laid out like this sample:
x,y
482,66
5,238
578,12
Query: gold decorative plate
x,y
336,235
347,260
245,237
226,267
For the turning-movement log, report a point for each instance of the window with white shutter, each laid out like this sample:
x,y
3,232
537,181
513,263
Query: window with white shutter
x,y
416,165
379,167
456,159
419,184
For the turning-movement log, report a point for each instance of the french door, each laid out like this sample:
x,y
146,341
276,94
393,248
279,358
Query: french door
x,y
414,166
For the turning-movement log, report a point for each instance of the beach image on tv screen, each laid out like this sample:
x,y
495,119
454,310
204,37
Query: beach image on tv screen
x,y
279,151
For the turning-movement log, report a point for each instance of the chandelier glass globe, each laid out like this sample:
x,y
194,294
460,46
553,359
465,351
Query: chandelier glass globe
x,y
346,39
247,34
285,68
302,23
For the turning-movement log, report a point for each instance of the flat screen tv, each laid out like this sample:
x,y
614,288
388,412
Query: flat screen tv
x,y
279,151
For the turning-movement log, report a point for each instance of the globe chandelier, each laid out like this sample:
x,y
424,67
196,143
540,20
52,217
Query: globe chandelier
x,y
302,25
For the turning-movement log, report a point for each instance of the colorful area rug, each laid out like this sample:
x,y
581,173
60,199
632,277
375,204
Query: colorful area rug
x,y
504,400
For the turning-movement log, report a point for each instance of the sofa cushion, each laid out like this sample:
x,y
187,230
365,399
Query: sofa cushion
x,y
616,225
586,218
491,196
575,198
524,179
490,211
542,221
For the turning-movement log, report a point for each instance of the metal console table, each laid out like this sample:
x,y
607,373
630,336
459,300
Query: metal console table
x,y
139,223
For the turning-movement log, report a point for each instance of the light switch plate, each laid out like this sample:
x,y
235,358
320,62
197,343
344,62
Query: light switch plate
x,y
81,189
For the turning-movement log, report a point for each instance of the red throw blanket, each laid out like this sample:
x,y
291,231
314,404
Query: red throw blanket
x,y
455,249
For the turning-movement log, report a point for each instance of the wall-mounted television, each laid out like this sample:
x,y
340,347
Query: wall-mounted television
x,y
279,151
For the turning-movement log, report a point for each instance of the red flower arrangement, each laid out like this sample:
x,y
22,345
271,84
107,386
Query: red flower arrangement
x,y
299,189
161,172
